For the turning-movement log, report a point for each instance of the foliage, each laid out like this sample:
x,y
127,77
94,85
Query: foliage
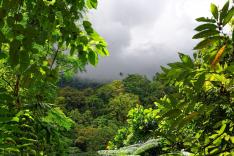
x,y
151,147
18,134
93,139
57,117
98,113
121,104
141,123
197,115
39,40
138,85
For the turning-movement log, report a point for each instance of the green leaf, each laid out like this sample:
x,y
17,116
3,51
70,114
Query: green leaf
x,y
92,4
224,11
206,33
2,55
206,42
93,58
214,11
231,68
203,19
105,51
229,16
57,117
88,27
222,129
2,13
83,56
200,82
10,20
188,119
2,38
172,113
49,2
232,139
5,115
18,17
164,69
206,26
14,52
232,36
24,59
186,60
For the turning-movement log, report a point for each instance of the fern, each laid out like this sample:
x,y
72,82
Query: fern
x,y
18,135
147,146
58,118
140,149
136,149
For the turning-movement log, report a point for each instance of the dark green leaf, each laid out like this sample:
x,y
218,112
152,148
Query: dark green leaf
x,y
88,27
24,59
203,19
200,82
2,38
206,26
14,52
229,16
206,33
2,55
93,58
172,113
10,20
2,13
224,11
18,17
186,60
231,68
188,119
82,56
214,11
233,36
5,115
206,42
176,65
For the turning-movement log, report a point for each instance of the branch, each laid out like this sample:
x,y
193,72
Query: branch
x,y
55,56
8,83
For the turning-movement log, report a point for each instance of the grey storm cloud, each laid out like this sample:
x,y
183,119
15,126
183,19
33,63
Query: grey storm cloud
x,y
144,34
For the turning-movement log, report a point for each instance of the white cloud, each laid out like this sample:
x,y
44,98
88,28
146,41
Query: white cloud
x,y
144,34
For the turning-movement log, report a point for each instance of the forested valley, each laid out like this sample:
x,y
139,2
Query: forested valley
x,y
185,110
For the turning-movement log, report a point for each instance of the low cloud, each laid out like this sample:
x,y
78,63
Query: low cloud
x,y
144,34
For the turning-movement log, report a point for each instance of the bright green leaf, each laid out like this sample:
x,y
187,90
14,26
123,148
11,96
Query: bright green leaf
x,y
214,11
92,4
186,60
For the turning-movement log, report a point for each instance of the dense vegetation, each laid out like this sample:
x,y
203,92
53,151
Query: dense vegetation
x,y
197,115
185,109
100,111
39,41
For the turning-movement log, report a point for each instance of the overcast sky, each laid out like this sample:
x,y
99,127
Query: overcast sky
x,y
144,34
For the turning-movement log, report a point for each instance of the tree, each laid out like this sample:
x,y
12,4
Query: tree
x,y
121,104
138,85
197,115
39,39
